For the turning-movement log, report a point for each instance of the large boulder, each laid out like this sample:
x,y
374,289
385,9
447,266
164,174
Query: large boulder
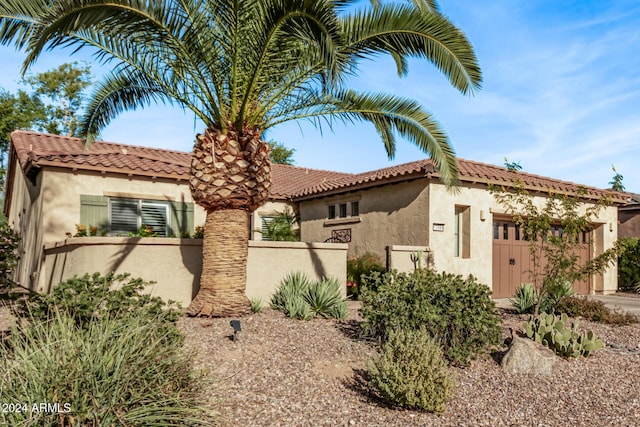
x,y
526,356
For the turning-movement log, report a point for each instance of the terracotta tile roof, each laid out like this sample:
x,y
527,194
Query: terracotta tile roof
x,y
38,149
288,180
35,150
470,172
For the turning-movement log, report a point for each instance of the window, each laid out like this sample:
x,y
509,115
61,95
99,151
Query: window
x,y
343,210
332,212
128,215
266,221
456,232
461,232
355,208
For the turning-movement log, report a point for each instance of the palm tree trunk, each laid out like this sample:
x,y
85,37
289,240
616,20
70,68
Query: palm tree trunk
x,y
230,178
224,265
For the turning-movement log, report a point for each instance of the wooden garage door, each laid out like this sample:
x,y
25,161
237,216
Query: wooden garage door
x,y
512,259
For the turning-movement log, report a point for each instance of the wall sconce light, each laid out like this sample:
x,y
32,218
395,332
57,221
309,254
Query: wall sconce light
x,y
611,226
482,215
235,324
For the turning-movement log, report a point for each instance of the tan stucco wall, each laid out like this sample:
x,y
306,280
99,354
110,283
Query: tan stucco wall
x,y
401,258
62,189
442,243
269,262
390,215
404,214
175,264
482,204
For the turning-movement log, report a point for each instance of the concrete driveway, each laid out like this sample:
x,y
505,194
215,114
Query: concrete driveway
x,y
629,304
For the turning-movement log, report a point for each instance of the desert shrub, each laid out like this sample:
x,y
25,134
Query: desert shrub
x,y
411,372
457,312
300,298
257,305
94,297
582,307
560,336
629,265
555,290
525,299
360,267
113,372
621,317
9,257
594,310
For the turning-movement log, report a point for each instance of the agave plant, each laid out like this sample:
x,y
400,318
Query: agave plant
x,y
325,299
243,67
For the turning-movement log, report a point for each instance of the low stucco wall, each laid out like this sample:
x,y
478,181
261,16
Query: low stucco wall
x,y
269,262
175,264
400,257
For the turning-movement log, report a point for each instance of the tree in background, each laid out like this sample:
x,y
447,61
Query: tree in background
x,y
61,91
281,154
53,104
616,181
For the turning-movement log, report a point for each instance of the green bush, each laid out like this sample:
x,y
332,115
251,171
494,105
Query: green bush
x,y
593,310
9,257
554,292
92,297
300,298
360,267
629,265
563,339
113,372
411,372
95,297
458,313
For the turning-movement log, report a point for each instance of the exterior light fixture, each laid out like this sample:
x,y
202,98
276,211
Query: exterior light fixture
x,y
235,324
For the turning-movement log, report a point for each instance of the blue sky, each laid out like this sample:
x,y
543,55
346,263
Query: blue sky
x,y
561,96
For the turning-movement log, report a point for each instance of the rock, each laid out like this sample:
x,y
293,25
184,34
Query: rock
x,y
526,356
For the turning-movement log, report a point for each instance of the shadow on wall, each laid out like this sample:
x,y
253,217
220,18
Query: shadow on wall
x,y
192,261
317,263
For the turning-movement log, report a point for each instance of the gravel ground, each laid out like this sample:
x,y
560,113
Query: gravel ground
x,y
283,372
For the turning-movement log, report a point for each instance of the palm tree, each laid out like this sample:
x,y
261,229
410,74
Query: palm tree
x,y
244,66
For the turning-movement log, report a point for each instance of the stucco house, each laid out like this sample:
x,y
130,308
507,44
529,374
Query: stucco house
x,y
55,183
629,217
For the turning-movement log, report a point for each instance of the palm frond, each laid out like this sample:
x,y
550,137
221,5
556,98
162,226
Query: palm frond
x,y
389,114
253,63
118,92
405,31
18,20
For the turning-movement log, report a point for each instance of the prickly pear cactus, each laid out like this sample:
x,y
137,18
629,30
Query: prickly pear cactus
x,y
561,336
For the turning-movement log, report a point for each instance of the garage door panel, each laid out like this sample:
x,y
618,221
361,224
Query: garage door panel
x,y
512,263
